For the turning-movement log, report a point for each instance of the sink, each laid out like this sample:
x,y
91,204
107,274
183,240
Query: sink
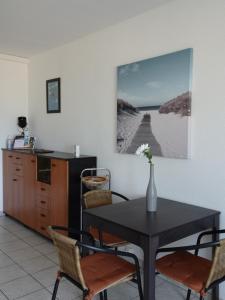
x,y
29,150
42,151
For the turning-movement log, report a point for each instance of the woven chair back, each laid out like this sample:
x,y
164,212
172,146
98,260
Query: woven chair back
x,y
218,266
69,256
97,198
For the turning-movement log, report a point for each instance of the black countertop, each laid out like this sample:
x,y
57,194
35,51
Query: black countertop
x,y
48,153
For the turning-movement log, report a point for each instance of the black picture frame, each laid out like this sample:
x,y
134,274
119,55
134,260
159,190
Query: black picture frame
x,y
53,95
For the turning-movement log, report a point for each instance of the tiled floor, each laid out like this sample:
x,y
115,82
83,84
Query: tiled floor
x,y
28,265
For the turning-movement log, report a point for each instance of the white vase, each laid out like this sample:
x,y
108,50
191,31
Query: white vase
x,y
151,193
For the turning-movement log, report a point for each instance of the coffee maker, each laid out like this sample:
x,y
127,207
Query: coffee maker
x,y
22,123
22,139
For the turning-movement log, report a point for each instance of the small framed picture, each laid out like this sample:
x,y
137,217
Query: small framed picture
x,y
53,95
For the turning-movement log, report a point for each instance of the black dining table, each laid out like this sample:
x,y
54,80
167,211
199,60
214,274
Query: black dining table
x,y
151,230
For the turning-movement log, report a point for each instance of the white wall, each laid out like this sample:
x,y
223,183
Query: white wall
x,y
13,99
87,69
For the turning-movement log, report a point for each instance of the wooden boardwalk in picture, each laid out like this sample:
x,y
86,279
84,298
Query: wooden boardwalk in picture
x,y
144,135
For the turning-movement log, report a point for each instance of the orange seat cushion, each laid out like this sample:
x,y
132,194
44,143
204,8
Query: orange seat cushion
x,y
107,238
102,270
186,268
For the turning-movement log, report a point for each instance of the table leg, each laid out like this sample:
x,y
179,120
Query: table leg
x,y
150,247
216,226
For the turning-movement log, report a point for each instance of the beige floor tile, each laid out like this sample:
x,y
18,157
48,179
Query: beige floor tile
x,y
2,229
6,236
124,290
36,264
45,248
13,227
34,240
13,245
47,277
39,295
10,273
23,254
5,260
54,257
168,290
67,291
6,220
20,287
2,296
24,233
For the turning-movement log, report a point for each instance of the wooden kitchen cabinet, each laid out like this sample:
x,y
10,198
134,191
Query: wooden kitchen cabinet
x,y
43,212
59,192
18,187
13,185
7,184
18,197
29,202
38,201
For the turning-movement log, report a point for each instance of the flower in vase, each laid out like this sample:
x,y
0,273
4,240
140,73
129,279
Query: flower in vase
x,y
145,150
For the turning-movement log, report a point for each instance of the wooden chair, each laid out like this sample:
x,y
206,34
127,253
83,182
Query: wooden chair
x,y
93,273
98,198
196,273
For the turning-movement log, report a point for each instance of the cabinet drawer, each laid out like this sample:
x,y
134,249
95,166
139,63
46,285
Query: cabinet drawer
x,y
17,170
43,189
17,159
14,158
42,228
43,220
10,156
43,215
42,202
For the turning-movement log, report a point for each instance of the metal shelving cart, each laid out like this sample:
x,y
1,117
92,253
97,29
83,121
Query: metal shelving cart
x,y
93,179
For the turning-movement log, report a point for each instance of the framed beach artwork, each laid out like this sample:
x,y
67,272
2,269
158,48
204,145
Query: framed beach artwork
x,y
53,96
154,104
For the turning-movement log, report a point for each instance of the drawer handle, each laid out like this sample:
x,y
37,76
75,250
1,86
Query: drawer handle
x,y
14,179
53,165
43,202
17,157
43,215
42,189
43,228
17,169
10,156
33,160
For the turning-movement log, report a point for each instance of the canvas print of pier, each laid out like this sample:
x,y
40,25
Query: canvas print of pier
x,y
154,104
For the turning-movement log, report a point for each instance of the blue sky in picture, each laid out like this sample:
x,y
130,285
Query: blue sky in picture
x,y
155,80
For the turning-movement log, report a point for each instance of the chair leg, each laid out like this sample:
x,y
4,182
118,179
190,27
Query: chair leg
x,y
141,296
201,298
101,296
105,295
188,294
100,238
56,286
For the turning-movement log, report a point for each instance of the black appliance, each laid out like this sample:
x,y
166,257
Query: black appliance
x,y
22,123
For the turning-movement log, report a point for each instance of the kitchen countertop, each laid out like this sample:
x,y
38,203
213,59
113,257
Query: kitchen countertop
x,y
50,154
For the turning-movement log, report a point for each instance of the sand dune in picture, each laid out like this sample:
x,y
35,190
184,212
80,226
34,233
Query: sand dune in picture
x,y
164,128
171,132
166,133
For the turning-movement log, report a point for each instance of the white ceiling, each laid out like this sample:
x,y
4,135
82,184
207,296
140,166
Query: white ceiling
x,y
28,27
